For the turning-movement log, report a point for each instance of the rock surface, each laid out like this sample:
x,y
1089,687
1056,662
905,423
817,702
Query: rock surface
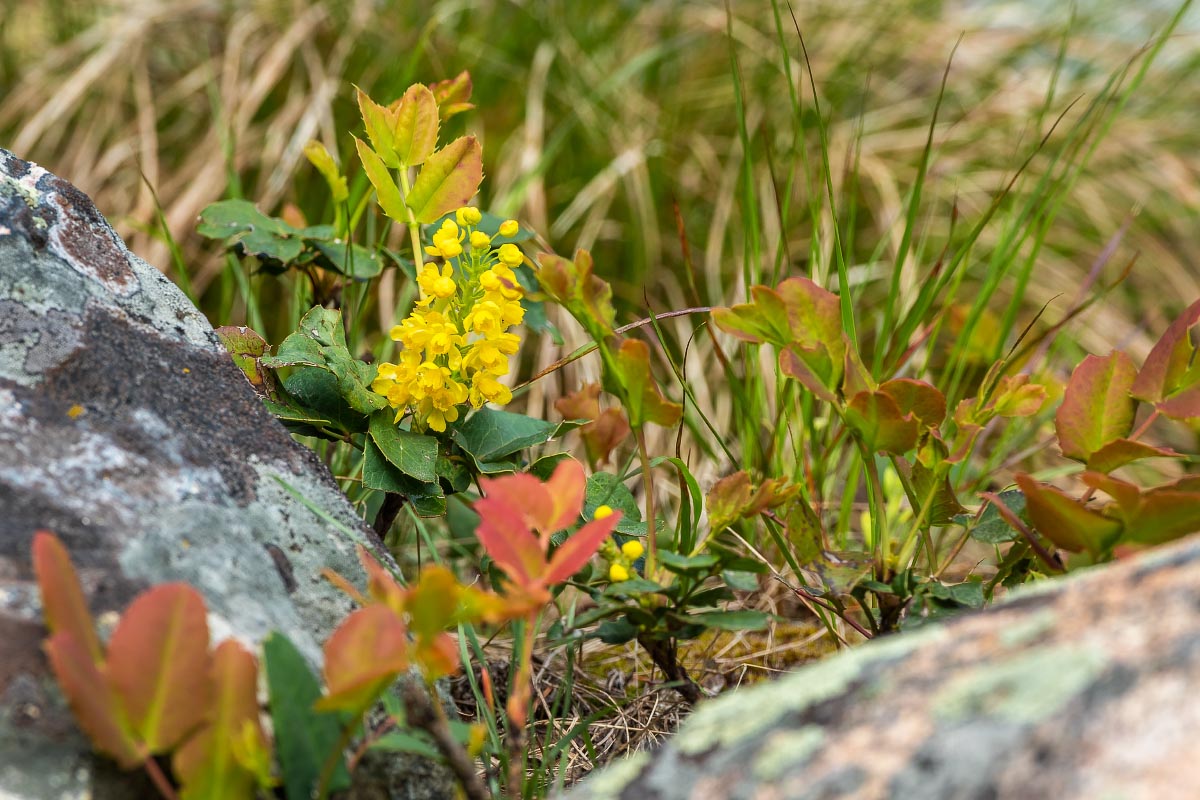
x,y
1088,687
126,429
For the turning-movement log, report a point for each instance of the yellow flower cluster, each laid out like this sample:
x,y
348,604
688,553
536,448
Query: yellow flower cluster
x,y
455,345
621,558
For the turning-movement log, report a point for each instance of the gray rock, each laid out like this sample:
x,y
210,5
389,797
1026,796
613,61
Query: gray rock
x,y
1086,687
126,429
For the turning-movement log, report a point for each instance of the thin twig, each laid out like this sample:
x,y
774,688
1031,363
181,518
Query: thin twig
x,y
421,712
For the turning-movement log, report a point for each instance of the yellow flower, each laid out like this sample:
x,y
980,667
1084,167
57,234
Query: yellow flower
x,y
602,512
618,573
510,255
468,216
447,242
485,319
480,240
439,284
486,389
632,549
509,228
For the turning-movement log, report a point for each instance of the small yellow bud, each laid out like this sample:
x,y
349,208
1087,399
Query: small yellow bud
x,y
509,228
480,240
633,549
602,512
468,216
510,254
618,573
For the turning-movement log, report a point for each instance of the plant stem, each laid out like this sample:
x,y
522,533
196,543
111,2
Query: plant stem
x,y
159,779
517,708
665,657
414,228
331,761
647,478
421,712
393,503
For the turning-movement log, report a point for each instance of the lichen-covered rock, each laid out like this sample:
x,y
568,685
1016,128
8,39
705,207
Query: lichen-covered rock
x,y
126,429
1087,687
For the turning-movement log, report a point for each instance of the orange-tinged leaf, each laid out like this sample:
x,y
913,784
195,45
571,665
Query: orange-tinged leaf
x,y
92,700
1169,368
1120,452
453,94
1015,396
580,546
507,538
814,316
380,125
917,398
644,401
381,585
63,605
794,364
1064,521
158,663
1096,408
416,125
206,764
734,497
449,179
604,434
437,655
877,419
362,657
564,490
583,403
386,190
1154,516
1184,404
763,320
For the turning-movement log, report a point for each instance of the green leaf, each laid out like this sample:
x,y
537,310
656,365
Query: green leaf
x,y
606,489
407,741
427,499
967,595
297,349
1097,408
743,620
386,189
742,581
354,261
632,588
616,631
687,564
1120,452
304,737
992,528
246,347
317,390
239,223
413,454
448,181
764,320
489,435
380,126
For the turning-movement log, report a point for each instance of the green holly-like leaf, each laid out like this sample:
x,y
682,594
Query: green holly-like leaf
x,y
992,528
414,454
489,435
351,260
606,489
426,498
449,180
239,224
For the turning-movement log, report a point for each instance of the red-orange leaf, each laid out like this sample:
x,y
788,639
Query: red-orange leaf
x,y
1064,521
63,605
452,94
207,764
362,657
158,664
92,699
1096,409
507,538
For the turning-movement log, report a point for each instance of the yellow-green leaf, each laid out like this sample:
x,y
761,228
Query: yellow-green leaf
x,y
385,187
380,124
1097,409
320,158
416,131
448,181
643,400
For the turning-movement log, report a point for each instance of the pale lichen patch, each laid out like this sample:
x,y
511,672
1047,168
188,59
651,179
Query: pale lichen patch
x,y
785,750
611,782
